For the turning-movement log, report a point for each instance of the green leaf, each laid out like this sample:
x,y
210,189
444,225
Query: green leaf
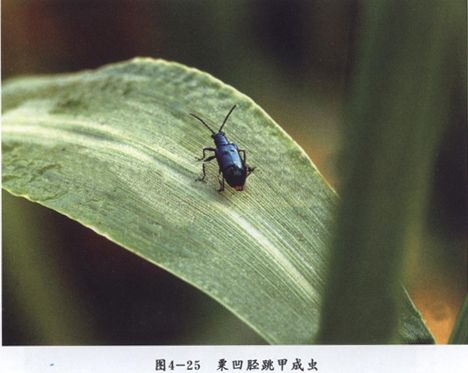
x,y
115,150
460,330
397,116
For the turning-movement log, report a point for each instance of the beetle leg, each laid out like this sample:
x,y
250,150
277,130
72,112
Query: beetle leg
x,y
249,169
209,158
245,157
221,182
204,174
203,167
203,170
204,155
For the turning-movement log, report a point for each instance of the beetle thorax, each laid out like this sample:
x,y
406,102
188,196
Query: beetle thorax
x,y
220,139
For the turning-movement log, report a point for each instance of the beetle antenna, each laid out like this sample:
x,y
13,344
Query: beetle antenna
x,y
201,120
227,116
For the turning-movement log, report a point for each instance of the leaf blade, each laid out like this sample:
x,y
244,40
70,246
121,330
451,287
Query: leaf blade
x,y
460,330
115,150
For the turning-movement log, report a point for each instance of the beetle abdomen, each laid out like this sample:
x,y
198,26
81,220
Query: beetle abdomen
x,y
231,165
235,176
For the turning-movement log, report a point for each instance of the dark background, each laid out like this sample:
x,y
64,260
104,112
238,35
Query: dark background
x,y
296,60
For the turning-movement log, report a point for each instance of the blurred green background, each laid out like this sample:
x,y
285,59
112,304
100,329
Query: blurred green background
x,y
63,284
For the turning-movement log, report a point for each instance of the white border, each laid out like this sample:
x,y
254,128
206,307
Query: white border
x,y
333,359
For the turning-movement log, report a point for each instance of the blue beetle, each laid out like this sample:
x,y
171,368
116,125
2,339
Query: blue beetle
x,y
232,166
